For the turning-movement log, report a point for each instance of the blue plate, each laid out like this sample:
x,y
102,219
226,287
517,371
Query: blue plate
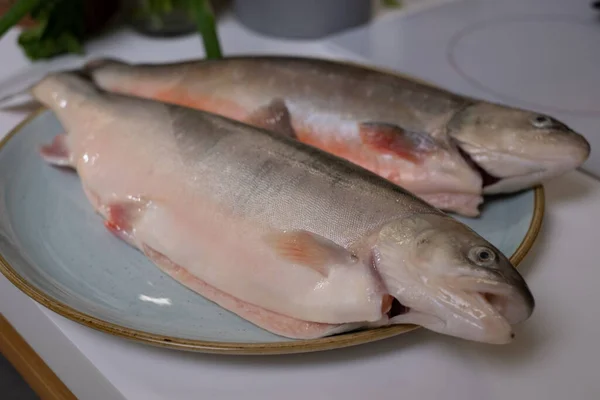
x,y
55,248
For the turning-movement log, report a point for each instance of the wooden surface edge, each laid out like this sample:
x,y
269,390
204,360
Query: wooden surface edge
x,y
28,363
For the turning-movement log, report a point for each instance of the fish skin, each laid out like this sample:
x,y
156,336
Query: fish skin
x,y
203,197
327,98
321,114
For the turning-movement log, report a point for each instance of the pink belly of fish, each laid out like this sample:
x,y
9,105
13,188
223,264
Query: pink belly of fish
x,y
274,322
221,257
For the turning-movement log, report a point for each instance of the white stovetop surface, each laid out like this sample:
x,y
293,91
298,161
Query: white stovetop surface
x,y
555,356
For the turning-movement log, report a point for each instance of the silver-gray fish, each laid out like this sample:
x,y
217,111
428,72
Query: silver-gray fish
x,y
446,148
292,238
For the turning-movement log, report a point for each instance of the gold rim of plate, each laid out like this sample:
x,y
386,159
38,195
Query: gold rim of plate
x,y
295,346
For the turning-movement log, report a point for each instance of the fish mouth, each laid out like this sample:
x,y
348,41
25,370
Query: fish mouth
x,y
488,319
513,302
495,300
493,184
534,171
487,178
396,308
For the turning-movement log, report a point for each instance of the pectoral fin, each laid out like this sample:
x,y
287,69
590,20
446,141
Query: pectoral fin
x,y
392,139
121,218
275,117
309,249
57,153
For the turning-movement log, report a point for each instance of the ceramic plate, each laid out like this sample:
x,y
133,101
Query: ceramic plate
x,y
55,249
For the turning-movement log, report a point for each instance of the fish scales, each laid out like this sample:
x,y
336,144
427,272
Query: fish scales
x,y
237,171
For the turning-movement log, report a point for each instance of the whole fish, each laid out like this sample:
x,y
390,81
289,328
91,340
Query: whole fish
x,y
292,238
297,103
401,129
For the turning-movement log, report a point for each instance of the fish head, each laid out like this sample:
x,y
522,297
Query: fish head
x,y
447,278
516,149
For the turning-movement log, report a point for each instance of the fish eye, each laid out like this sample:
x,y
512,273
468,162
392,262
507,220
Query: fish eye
x,y
542,121
482,256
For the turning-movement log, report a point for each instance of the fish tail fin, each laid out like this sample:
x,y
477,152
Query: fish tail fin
x,y
79,85
16,91
138,80
102,62
57,153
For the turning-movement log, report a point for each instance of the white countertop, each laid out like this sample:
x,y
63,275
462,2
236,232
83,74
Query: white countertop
x,y
555,355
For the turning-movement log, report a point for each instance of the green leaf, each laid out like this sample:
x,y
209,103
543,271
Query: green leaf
x,y
61,29
46,48
392,3
16,13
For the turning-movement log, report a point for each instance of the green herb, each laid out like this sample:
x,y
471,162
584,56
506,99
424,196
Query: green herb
x,y
16,13
156,8
392,3
61,24
60,27
200,11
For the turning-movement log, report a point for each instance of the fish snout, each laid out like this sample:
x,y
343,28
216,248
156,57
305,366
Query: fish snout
x,y
563,150
509,297
561,157
467,315
506,173
580,149
482,316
